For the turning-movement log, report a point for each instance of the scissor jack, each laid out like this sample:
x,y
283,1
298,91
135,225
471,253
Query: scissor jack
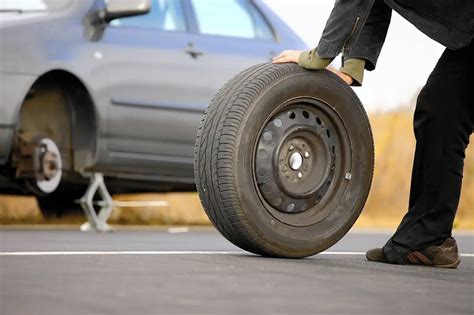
x,y
97,189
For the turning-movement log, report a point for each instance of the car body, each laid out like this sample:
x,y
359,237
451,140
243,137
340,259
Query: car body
x,y
133,88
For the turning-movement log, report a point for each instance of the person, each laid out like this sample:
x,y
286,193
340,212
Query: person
x,y
443,118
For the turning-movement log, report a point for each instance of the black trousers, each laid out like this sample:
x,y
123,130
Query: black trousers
x,y
443,122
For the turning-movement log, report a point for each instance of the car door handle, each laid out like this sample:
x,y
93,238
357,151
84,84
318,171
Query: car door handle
x,y
193,52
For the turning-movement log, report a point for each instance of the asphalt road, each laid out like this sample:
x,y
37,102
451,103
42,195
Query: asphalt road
x,y
199,272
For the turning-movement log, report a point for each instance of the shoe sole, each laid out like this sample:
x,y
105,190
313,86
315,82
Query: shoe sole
x,y
448,266
453,265
419,259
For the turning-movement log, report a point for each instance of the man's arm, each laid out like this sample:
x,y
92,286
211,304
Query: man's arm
x,y
372,36
363,53
343,27
360,42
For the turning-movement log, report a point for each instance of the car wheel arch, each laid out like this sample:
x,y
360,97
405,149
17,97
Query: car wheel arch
x,y
82,114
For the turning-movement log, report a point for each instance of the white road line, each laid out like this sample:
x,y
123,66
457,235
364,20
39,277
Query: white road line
x,y
151,252
120,252
183,229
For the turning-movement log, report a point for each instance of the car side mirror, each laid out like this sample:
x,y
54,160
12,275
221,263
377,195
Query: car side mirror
x,y
115,9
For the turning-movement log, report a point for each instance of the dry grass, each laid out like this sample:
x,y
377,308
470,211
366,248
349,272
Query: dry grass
x,y
394,145
394,149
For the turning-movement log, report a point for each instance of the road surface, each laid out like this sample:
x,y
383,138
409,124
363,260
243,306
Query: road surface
x,y
199,272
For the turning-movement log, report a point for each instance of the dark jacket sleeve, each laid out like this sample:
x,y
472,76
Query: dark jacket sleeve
x,y
372,36
343,26
357,29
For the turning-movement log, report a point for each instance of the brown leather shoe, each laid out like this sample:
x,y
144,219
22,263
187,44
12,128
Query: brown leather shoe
x,y
445,255
377,255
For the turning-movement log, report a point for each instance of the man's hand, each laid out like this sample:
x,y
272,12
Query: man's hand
x,y
348,79
293,56
287,56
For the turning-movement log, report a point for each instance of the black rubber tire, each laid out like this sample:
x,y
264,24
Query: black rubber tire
x,y
225,150
61,202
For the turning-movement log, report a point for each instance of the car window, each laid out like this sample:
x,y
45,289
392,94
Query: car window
x,y
165,15
33,5
235,18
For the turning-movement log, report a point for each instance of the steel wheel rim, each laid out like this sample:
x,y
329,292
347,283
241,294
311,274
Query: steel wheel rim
x,y
318,130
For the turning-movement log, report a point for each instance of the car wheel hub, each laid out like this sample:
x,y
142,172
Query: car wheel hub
x,y
295,159
40,164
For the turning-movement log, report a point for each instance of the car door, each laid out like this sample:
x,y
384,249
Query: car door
x,y
156,85
235,34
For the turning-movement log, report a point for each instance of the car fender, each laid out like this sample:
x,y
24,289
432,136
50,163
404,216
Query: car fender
x,y
11,101
11,98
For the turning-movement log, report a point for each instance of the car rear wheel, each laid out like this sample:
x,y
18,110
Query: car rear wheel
x,y
61,202
284,160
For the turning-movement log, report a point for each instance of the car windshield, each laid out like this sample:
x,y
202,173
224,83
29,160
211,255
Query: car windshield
x,y
32,5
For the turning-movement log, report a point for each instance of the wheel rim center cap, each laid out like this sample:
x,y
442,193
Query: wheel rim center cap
x,y
296,160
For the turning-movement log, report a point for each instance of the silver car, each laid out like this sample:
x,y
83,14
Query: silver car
x,y
117,87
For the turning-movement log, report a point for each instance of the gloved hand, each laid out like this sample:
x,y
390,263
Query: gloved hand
x,y
311,60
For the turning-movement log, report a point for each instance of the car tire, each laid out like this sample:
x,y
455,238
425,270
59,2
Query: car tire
x,y
60,203
284,160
